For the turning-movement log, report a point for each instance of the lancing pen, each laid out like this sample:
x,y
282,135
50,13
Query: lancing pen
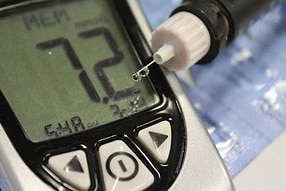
x,y
198,29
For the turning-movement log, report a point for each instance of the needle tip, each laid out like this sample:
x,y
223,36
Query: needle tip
x,y
136,77
143,72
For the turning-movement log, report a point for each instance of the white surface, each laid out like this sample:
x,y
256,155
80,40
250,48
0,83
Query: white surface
x,y
187,35
58,165
10,166
268,171
122,162
161,152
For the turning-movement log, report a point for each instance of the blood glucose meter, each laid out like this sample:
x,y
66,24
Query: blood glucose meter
x,y
72,118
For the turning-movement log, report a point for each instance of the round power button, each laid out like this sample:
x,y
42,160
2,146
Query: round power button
x,y
122,166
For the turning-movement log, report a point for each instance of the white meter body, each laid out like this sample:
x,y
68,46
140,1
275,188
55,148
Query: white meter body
x,y
72,118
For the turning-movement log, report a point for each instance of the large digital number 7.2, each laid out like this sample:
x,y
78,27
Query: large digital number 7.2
x,y
98,67
74,62
108,62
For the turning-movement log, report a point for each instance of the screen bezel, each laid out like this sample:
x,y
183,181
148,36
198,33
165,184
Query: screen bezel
x,y
26,120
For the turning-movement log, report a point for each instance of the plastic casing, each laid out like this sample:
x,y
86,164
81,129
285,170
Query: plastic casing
x,y
203,169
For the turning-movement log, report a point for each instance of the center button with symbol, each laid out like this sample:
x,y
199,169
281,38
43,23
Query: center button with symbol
x,y
122,166
122,169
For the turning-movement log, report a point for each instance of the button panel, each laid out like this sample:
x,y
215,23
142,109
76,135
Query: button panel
x,y
122,169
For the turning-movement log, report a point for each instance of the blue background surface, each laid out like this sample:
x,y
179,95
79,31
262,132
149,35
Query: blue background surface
x,y
241,95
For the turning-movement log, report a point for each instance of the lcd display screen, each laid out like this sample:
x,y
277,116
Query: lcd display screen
x,y
66,67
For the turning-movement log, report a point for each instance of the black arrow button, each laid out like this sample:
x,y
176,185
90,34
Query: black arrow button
x,y
157,138
74,165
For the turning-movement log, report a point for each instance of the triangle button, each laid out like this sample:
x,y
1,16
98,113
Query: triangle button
x,y
72,168
157,139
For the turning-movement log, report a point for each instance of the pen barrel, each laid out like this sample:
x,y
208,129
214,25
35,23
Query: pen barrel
x,y
241,13
224,19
